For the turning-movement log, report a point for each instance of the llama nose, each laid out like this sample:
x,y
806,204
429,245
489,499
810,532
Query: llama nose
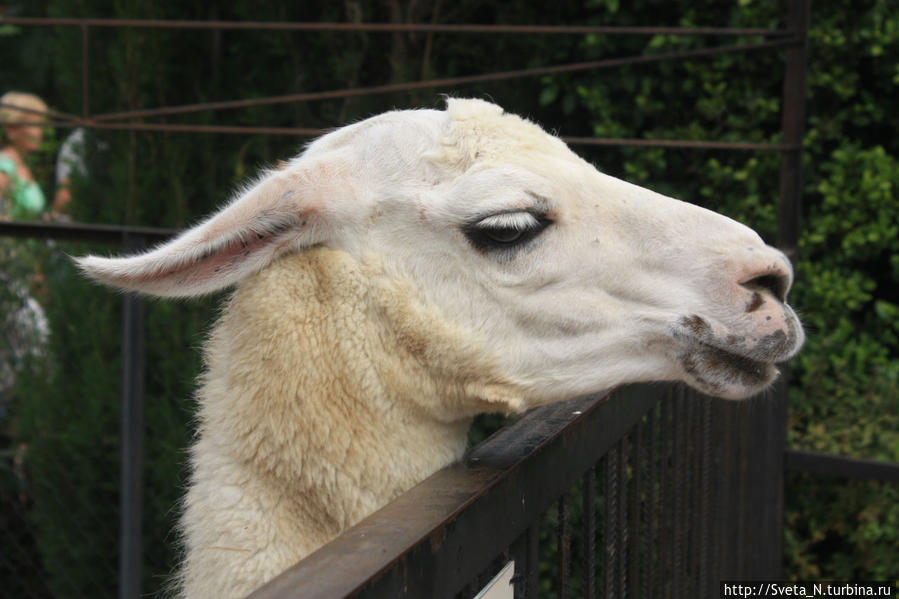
x,y
777,283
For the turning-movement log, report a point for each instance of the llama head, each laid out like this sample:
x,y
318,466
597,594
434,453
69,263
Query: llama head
x,y
573,280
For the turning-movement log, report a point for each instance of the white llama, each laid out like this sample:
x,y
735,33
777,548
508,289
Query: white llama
x,y
410,271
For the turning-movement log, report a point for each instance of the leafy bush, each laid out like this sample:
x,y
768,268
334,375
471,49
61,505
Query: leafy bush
x,y
844,397
844,391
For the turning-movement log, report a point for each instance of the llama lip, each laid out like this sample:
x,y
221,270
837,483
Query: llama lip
x,y
716,370
746,351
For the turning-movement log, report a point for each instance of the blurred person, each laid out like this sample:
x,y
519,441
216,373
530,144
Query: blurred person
x,y
25,330
23,325
69,162
20,195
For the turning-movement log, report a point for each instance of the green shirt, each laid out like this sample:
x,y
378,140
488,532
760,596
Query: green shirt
x,y
22,199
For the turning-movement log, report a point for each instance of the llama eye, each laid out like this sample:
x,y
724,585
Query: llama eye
x,y
499,235
505,230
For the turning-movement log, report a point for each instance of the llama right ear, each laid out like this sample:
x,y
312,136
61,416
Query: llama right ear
x,y
287,210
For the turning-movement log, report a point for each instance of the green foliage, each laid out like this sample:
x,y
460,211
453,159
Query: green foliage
x,y
831,516
844,394
67,415
846,399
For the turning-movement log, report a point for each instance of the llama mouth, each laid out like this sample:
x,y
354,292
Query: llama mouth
x,y
729,365
723,373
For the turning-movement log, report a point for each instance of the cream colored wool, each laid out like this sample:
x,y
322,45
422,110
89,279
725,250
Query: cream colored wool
x,y
410,271
288,455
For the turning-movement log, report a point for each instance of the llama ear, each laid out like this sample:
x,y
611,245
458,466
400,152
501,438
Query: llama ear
x,y
285,211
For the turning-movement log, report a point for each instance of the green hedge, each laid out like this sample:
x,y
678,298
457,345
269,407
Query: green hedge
x,y
844,393
844,397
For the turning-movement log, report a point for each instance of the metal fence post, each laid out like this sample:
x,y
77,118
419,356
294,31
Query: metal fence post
x,y
793,127
131,506
789,229
85,71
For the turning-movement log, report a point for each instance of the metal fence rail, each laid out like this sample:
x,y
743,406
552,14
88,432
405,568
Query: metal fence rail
x,y
791,38
825,464
640,493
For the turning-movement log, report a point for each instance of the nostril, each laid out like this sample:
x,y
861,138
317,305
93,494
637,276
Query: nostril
x,y
776,284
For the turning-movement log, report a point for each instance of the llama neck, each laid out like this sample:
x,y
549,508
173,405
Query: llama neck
x,y
329,390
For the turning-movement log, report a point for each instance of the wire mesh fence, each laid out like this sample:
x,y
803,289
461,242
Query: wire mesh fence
x,y
652,491
655,516
59,478
61,443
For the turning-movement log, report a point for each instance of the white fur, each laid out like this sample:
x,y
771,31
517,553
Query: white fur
x,y
368,326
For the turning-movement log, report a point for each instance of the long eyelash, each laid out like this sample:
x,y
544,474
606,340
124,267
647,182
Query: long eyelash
x,y
520,221
529,224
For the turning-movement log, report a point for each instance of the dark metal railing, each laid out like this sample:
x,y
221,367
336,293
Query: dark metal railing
x,y
651,491
469,514
130,239
792,37
86,232
397,27
826,464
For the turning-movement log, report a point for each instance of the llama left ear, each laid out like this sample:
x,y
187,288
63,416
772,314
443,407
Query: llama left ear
x,y
287,210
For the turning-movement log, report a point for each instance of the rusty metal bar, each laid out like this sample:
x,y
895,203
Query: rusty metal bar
x,y
741,485
729,514
590,533
667,494
524,552
706,552
446,82
316,132
532,577
85,72
793,126
652,506
635,533
677,143
236,129
112,234
99,121
564,539
678,468
771,422
610,529
621,516
398,27
788,233
683,476
90,123
132,441
824,464
694,486
698,518
67,119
